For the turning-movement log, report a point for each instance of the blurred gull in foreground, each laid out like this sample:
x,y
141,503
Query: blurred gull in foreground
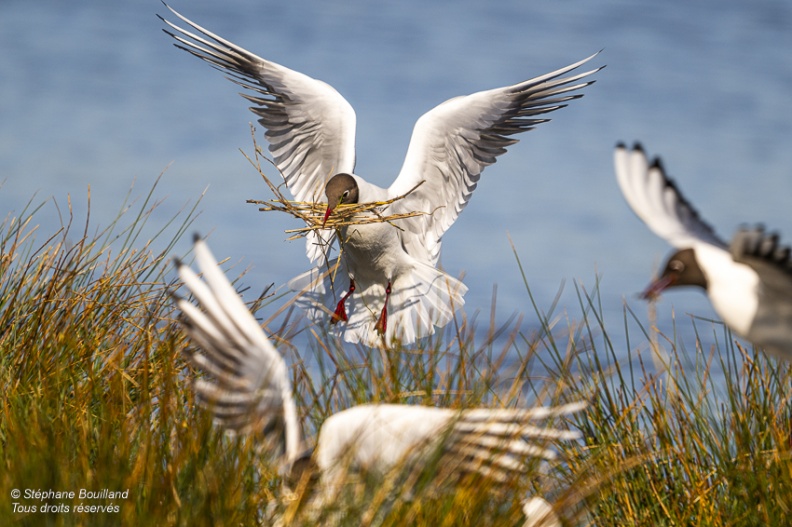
x,y
385,285
749,281
247,389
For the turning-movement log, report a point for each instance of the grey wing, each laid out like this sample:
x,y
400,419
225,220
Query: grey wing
x,y
773,265
310,127
655,198
762,251
452,143
247,388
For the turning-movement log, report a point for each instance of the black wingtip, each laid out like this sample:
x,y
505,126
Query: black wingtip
x,y
169,8
196,237
621,145
638,147
754,242
177,262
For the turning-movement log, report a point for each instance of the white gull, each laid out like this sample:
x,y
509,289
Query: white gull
x,y
748,281
385,285
246,387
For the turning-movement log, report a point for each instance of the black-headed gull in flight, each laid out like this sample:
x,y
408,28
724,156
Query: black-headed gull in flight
x,y
385,284
246,386
748,281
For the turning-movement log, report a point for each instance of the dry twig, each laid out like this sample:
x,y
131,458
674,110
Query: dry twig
x,y
313,213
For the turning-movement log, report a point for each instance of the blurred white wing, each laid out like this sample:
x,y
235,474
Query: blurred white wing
x,y
452,143
539,513
310,127
492,442
249,390
655,198
496,442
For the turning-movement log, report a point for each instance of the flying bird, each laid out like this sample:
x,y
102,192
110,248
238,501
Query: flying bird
x,y
246,386
748,281
385,285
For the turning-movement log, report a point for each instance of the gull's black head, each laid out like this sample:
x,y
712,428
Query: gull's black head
x,y
681,269
342,188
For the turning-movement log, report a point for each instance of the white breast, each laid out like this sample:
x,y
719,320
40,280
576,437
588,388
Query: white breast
x,y
732,287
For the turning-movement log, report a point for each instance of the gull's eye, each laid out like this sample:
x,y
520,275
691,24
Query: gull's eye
x,y
676,266
346,193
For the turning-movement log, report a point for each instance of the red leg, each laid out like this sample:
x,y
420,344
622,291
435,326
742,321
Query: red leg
x,y
382,323
340,310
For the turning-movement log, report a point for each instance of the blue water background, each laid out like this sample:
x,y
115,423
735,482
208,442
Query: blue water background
x,y
93,94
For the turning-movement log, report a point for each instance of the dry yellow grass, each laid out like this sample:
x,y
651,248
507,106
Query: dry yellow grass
x,y
95,396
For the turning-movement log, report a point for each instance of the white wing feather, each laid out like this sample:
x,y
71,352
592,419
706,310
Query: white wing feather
x,y
452,143
655,198
493,442
250,390
310,127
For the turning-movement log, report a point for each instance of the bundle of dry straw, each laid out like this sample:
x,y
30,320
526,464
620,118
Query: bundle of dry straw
x,y
313,213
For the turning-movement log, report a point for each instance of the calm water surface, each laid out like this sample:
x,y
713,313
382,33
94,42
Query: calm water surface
x,y
94,95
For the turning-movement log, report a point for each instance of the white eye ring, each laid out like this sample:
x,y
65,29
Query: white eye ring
x,y
346,193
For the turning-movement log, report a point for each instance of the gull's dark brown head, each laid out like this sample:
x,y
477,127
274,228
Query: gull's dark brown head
x,y
680,270
342,188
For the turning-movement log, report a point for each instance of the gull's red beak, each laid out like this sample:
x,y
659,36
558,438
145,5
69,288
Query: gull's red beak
x,y
657,287
327,215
